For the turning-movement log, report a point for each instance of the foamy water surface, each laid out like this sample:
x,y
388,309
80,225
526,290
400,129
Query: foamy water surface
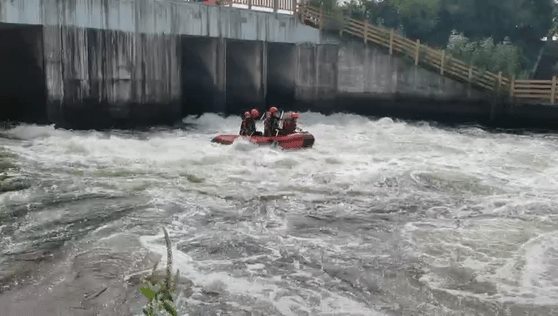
x,y
379,218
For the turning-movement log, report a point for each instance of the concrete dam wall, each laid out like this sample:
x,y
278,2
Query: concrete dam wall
x,y
103,78
100,64
84,78
92,63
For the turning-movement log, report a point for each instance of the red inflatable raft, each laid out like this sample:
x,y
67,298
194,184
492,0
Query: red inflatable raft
x,y
291,141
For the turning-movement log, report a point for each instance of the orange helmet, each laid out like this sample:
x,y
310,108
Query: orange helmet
x,y
246,114
273,110
295,115
255,113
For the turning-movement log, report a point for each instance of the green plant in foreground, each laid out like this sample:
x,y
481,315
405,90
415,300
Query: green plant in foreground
x,y
159,292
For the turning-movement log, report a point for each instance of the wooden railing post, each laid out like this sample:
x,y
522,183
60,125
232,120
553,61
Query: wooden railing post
x,y
417,53
512,87
321,23
553,91
249,4
442,62
365,32
275,5
470,73
391,42
499,82
294,6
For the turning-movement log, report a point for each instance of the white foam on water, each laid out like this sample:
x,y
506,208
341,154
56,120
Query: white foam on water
x,y
520,259
362,148
29,132
263,289
482,202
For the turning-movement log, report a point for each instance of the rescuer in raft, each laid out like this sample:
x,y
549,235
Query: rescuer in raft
x,y
248,125
271,123
289,123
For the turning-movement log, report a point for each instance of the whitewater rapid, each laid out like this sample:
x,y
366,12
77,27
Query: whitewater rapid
x,y
380,217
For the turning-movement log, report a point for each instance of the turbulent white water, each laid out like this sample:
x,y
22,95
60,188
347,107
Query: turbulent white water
x,y
379,218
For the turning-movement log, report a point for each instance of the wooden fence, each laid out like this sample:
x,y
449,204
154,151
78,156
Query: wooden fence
x,y
542,91
285,5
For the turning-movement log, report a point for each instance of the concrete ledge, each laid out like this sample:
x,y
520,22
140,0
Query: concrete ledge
x,y
159,17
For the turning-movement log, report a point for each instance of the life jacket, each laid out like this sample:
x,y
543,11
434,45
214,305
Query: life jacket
x,y
248,126
289,126
251,126
242,127
271,125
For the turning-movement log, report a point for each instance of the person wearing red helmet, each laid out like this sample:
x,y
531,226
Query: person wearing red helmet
x,y
255,114
271,123
289,123
248,125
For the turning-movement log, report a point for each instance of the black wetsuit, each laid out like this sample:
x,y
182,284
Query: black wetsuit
x,y
271,126
248,127
289,126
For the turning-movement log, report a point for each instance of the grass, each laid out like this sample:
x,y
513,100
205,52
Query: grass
x,y
159,293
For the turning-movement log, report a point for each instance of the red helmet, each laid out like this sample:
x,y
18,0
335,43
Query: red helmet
x,y
255,113
246,114
295,115
273,110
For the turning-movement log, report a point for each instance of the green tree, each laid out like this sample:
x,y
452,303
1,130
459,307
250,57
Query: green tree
x,y
521,20
433,20
419,17
383,13
328,5
554,27
487,55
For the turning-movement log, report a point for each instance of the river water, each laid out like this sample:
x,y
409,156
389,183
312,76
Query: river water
x,y
380,218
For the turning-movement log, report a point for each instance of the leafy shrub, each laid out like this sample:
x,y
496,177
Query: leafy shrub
x,y
159,292
487,55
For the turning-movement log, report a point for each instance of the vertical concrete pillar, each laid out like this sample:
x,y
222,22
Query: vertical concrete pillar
x,y
203,77
101,78
306,73
244,75
352,68
265,68
281,73
221,101
22,77
317,71
327,58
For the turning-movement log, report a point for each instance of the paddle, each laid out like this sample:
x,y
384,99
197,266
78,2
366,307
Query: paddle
x,y
274,143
